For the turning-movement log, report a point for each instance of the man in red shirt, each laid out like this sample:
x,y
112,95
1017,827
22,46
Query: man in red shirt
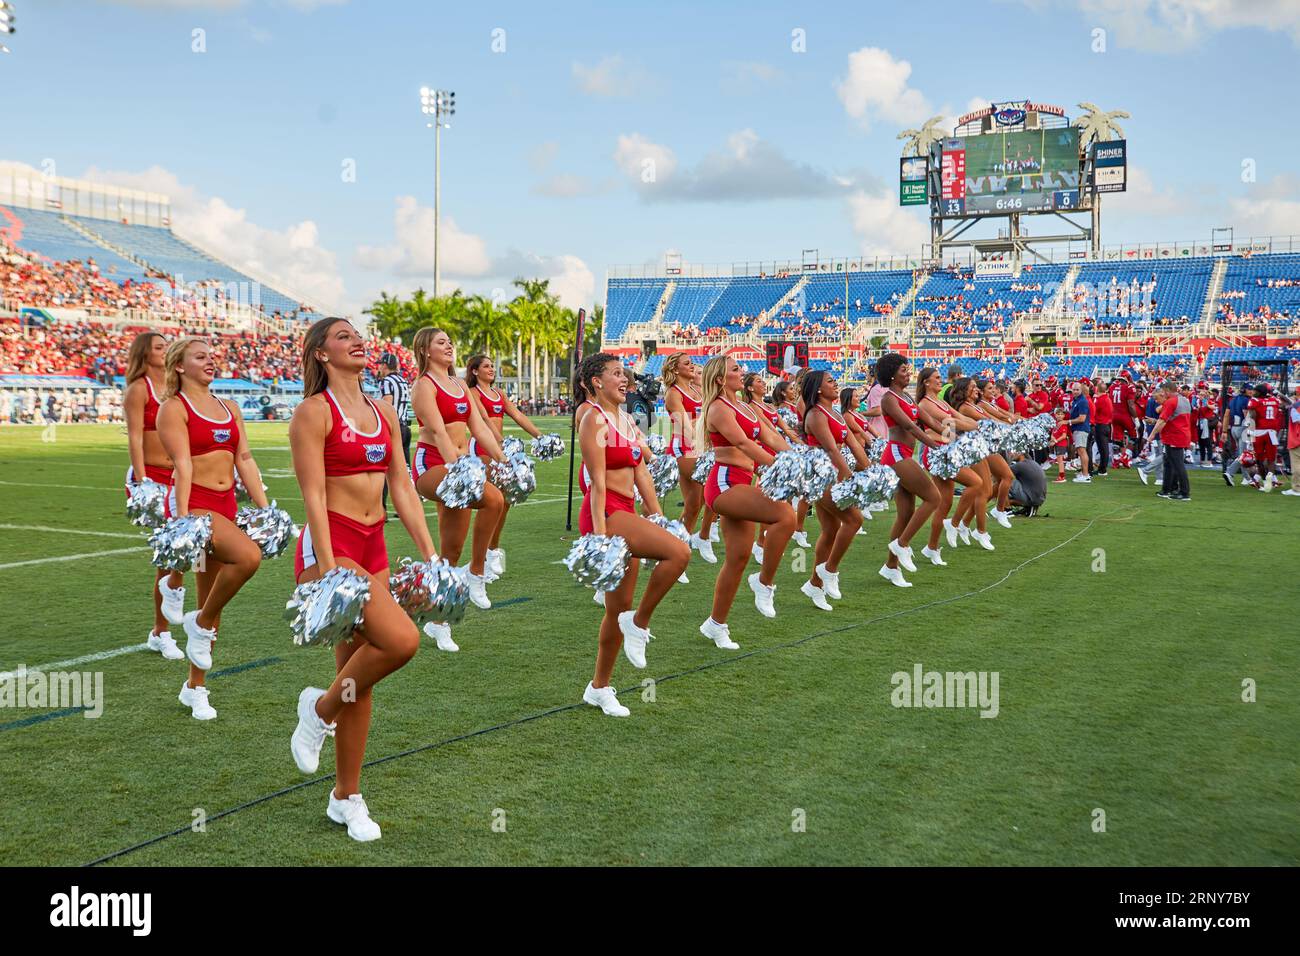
x,y
1103,415
1267,409
1174,428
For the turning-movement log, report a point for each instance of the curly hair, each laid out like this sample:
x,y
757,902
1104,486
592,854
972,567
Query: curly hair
x,y
591,366
887,367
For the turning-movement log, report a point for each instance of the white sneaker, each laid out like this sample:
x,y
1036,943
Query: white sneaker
x,y
935,556
703,546
817,595
894,576
599,597
963,530
763,597
311,731
354,812
196,699
606,699
719,634
984,540
1001,517
498,558
162,643
198,641
489,572
715,535
757,552
1269,481
1146,479
681,579
880,506
1291,491
1082,479
903,554
634,638
830,582
441,634
866,516
801,539
173,601
478,592
951,531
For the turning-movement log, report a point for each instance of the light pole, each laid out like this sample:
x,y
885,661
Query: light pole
x,y
437,106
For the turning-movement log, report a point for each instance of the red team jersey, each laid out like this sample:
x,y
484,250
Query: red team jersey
x,y
1121,393
1268,412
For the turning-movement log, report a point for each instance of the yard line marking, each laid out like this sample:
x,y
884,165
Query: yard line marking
x,y
41,484
84,659
567,708
70,557
41,527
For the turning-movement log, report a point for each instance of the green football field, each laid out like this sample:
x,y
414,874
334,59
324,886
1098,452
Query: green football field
x,y
1124,631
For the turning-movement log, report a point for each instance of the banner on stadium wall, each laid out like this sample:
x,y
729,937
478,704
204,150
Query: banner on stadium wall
x,y
995,270
1110,166
958,341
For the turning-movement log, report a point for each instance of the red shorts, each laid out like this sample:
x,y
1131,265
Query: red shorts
x,y
1122,428
613,502
1265,450
584,481
161,475
206,499
426,456
476,451
349,538
680,449
894,453
722,478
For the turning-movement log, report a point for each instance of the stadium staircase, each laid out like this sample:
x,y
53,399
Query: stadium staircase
x,y
1063,292
102,242
1210,310
782,302
905,303
662,307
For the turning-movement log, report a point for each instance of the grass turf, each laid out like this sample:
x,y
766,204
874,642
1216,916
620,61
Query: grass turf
x,y
1120,690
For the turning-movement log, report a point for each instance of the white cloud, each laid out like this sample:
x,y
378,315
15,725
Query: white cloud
x,y
292,259
876,87
572,281
612,76
1170,26
642,160
884,228
1271,209
460,254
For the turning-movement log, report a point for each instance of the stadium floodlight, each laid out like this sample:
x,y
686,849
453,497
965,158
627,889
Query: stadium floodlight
x,y
438,106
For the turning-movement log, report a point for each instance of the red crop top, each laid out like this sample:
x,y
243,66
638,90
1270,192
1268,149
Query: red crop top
x,y
747,425
452,408
151,406
839,430
861,420
350,451
492,407
906,405
620,451
691,406
772,416
206,435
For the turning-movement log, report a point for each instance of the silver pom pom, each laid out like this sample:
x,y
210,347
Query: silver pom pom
x,y
431,591
146,504
598,561
703,465
657,444
663,472
783,480
515,477
673,527
271,528
463,484
865,488
180,543
876,451
790,417
547,447
819,474
241,493
327,610
1029,434
512,446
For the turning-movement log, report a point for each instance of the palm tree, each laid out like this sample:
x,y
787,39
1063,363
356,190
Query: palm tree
x,y
920,140
388,315
1097,126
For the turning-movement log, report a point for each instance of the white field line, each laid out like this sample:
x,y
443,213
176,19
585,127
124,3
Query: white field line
x,y
70,557
41,527
75,661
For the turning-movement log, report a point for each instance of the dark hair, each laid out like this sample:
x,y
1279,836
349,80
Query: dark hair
x,y
846,399
389,361
314,378
954,369
471,367
591,366
920,380
779,391
888,366
961,388
812,384
1019,386
747,385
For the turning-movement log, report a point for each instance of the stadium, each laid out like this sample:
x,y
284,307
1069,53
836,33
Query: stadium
x,y
1082,674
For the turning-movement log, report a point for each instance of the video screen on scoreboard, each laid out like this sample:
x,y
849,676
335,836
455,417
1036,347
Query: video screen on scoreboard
x,y
997,173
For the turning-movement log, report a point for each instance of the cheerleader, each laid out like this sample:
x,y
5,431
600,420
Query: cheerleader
x,y
144,382
850,400
493,404
682,403
448,419
343,452
964,395
612,454
741,438
943,422
754,390
899,415
204,436
825,429
785,396
991,403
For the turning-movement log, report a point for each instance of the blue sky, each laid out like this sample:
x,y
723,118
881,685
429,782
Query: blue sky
x,y
761,148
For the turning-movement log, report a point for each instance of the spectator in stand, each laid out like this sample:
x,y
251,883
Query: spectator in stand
x,y
1174,428
1080,429
1103,416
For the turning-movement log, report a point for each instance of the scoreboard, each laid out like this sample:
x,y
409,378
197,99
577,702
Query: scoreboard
x,y
1000,173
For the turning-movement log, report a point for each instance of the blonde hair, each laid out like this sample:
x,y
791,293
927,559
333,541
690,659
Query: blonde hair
x,y
171,364
420,346
314,377
713,386
137,358
671,363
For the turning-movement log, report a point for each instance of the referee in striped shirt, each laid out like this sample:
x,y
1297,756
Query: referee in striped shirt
x,y
394,390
